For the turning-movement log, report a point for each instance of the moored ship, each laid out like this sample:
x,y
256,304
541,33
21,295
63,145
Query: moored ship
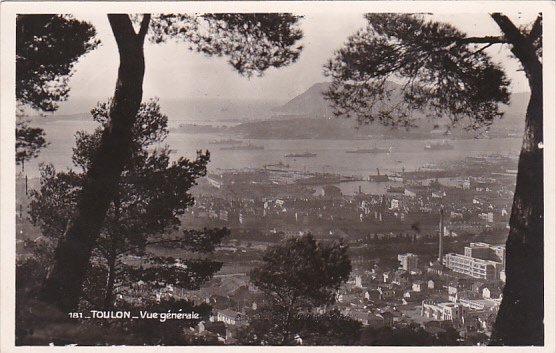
x,y
371,150
226,142
300,155
248,147
378,177
279,165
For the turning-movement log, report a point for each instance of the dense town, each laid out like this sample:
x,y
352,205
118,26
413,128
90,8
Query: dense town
x,y
427,252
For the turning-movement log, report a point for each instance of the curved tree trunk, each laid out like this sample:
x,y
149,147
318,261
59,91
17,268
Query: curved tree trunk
x,y
62,287
521,314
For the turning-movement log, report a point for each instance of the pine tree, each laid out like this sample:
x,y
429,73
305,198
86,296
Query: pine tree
x,y
143,219
253,43
45,57
297,276
438,70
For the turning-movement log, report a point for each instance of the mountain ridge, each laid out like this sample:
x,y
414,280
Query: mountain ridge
x,y
311,103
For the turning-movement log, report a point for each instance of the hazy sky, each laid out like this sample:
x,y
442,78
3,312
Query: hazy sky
x,y
172,71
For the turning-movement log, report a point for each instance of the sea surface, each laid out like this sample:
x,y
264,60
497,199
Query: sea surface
x,y
408,155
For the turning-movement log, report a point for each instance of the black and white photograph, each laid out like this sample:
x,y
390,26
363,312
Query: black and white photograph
x,y
278,174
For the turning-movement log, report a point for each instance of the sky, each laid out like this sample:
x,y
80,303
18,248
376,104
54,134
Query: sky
x,y
174,72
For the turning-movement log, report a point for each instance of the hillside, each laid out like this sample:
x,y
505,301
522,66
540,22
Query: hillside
x,y
334,128
311,104
298,128
307,116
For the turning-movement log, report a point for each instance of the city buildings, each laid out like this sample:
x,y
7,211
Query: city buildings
x,y
443,311
480,260
473,267
408,261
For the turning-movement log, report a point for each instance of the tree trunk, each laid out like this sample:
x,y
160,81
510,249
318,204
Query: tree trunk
x,y
109,294
286,329
520,318
62,287
521,314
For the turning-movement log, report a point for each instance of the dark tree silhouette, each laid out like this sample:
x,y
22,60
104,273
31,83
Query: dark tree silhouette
x,y
411,335
151,195
253,42
297,275
28,142
443,72
309,329
47,48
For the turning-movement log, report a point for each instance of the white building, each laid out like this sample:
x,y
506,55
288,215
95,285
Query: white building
x,y
394,204
443,311
473,267
408,261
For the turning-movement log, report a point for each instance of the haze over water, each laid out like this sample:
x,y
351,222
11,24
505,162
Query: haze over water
x,y
331,154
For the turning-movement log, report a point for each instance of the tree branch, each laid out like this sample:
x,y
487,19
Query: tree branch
x,y
521,46
490,40
479,40
479,50
483,48
122,28
144,27
511,32
536,30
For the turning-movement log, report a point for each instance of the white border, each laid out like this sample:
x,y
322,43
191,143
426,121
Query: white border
x,y
7,150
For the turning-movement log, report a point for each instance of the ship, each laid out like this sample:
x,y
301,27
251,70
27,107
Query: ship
x,y
439,146
300,155
277,165
226,142
371,150
396,190
378,177
248,147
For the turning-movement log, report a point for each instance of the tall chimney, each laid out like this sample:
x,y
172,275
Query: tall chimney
x,y
441,236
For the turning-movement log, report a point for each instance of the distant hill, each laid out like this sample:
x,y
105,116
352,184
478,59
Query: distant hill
x,y
308,116
311,104
334,128
299,128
